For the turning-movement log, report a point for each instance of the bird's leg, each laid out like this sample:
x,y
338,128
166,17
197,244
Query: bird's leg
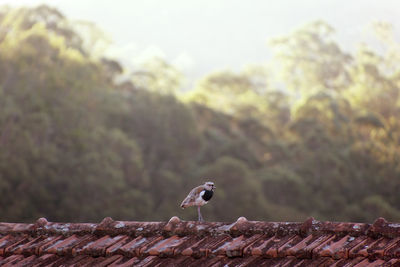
x,y
199,213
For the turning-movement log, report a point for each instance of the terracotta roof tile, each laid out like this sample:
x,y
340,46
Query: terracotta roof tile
x,y
393,251
13,259
61,245
125,262
179,243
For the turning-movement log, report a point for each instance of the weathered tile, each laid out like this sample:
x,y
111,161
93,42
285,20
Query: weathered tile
x,y
8,241
138,246
166,246
180,243
99,246
235,247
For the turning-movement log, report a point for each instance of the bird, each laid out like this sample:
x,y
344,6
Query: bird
x,y
199,196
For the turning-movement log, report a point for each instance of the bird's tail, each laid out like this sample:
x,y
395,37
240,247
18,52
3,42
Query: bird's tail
x,y
185,204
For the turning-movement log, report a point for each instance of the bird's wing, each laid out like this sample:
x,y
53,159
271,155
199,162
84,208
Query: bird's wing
x,y
191,198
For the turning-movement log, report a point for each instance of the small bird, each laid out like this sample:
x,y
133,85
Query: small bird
x,y
199,196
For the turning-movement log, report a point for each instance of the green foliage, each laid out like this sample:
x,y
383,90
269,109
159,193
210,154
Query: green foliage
x,y
310,61
319,137
158,76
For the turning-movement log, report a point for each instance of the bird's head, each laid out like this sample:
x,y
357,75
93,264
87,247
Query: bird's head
x,y
209,186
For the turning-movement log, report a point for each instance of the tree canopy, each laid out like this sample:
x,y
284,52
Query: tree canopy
x,y
315,132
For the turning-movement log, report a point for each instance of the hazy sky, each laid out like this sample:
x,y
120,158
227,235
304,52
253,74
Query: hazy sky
x,y
205,35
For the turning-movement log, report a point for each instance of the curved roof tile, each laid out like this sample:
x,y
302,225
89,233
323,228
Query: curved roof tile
x,y
187,243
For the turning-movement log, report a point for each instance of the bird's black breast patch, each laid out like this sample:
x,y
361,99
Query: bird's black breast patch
x,y
207,195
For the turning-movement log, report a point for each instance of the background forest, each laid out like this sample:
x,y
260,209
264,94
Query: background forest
x,y
313,132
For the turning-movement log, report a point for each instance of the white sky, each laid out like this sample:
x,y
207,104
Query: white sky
x,y
205,35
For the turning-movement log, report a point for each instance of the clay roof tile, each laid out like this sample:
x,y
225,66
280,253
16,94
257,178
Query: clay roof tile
x,y
186,243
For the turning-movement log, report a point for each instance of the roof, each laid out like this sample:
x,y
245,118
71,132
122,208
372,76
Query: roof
x,y
187,243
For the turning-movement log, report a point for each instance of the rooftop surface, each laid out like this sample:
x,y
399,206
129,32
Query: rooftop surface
x,y
187,243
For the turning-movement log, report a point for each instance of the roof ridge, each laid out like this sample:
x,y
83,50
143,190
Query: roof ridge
x,y
175,226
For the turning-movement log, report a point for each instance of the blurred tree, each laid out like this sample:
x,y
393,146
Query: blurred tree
x,y
158,76
310,61
76,145
52,147
245,96
231,93
372,89
94,40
